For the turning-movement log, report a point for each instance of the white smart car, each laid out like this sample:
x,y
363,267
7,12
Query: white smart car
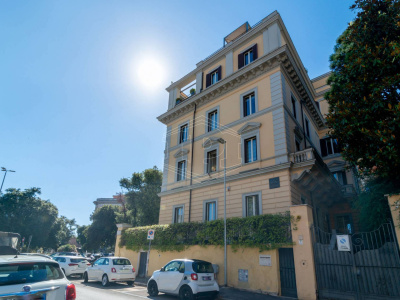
x,y
111,269
186,278
28,277
72,265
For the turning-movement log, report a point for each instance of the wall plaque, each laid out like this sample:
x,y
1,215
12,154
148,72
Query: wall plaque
x,y
274,183
243,275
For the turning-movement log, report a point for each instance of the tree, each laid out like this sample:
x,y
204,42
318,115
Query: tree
x,y
25,213
142,198
102,232
67,248
82,235
364,98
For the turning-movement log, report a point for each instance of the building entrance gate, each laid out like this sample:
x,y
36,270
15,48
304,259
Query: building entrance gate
x,y
371,270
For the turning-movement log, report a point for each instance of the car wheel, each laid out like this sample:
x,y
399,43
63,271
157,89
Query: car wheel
x,y
130,283
186,293
104,281
85,277
152,288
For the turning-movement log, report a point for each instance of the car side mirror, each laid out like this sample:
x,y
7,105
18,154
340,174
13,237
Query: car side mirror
x,y
162,269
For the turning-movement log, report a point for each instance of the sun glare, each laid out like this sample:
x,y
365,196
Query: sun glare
x,y
150,73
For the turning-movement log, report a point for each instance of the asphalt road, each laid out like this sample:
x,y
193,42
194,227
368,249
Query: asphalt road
x,y
117,291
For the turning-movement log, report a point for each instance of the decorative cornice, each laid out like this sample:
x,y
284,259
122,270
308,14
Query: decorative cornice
x,y
250,126
211,141
181,152
257,68
229,178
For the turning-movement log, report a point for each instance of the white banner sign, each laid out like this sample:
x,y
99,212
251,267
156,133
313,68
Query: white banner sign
x,y
343,242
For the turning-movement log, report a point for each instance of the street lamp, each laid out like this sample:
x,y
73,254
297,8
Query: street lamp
x,y
222,141
4,170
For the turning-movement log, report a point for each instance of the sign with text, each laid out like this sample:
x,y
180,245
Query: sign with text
x,y
274,183
150,234
343,242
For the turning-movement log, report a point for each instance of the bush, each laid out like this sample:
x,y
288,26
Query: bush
x,y
264,232
67,248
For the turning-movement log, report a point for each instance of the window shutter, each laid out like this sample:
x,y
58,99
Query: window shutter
x,y
240,60
324,151
255,53
219,70
208,80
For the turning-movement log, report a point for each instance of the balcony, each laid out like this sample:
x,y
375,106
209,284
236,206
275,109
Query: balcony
x,y
302,156
186,92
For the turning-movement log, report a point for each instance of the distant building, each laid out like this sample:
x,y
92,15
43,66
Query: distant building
x,y
118,200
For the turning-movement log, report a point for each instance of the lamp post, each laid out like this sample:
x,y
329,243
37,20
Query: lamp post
x,y
4,170
222,141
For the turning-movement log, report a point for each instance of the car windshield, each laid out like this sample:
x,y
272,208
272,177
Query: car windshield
x,y
121,262
77,260
202,267
29,272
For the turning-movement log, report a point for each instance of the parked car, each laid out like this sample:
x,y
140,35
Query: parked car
x,y
33,277
36,254
110,269
72,265
186,278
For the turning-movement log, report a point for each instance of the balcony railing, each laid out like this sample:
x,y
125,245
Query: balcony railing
x,y
302,156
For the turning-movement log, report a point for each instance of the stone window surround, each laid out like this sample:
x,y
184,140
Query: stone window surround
x,y
173,212
179,159
179,132
205,205
206,118
208,149
253,90
253,133
259,194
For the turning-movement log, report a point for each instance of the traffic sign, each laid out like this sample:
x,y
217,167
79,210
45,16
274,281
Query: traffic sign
x,y
150,234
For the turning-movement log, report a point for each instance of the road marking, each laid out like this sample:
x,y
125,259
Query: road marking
x,y
130,294
122,292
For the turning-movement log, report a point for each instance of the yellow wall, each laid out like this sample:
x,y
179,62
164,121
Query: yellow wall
x,y
260,278
394,204
258,39
273,200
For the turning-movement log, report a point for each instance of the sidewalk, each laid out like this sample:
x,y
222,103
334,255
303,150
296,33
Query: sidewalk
x,y
228,293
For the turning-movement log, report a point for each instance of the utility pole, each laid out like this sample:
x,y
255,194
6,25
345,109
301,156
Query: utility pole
x,y
4,170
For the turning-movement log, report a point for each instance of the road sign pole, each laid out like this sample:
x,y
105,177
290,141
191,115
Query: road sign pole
x,y
148,258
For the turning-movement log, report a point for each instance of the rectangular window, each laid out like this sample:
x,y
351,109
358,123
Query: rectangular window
x,y
329,146
212,161
307,127
252,206
248,57
297,145
211,211
181,172
178,214
340,177
249,104
250,150
183,133
212,120
214,76
294,108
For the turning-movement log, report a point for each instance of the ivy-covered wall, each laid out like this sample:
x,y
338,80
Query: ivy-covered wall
x,y
264,232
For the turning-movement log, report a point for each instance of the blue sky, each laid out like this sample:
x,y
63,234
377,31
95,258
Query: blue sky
x,y
76,116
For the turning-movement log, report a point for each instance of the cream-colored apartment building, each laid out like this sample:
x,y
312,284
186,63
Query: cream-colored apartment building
x,y
253,94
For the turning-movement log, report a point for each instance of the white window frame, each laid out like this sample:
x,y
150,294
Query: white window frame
x,y
179,132
214,77
244,203
242,100
247,53
254,133
174,221
206,151
208,112
205,205
184,171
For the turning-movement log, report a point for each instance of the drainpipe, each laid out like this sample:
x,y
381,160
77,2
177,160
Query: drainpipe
x,y
302,121
191,163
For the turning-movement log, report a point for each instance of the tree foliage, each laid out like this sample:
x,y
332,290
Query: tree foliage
x,y
364,98
67,248
142,200
102,232
25,213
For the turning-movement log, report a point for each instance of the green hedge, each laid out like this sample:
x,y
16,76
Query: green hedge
x,y
265,232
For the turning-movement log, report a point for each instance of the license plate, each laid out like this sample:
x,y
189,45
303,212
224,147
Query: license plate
x,y
206,278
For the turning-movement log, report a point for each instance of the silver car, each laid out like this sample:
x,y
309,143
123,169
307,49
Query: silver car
x,y
186,278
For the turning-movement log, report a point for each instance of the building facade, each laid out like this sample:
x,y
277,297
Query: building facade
x,y
253,95
117,200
